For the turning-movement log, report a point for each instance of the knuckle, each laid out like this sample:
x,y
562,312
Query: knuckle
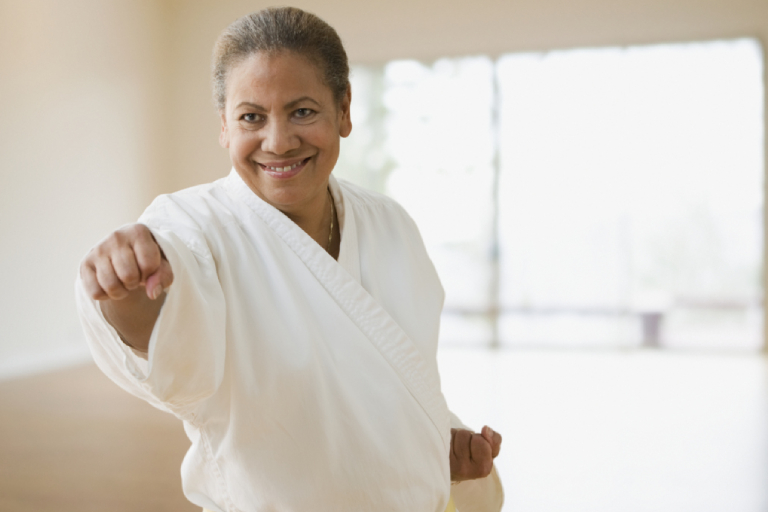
x,y
131,228
116,238
140,232
85,268
131,278
148,265
96,295
99,250
129,233
94,291
148,249
478,444
109,283
111,287
108,245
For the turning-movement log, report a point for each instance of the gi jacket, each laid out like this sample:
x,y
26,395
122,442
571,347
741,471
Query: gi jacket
x,y
304,383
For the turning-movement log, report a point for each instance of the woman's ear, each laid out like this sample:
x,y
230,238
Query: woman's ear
x,y
345,126
224,135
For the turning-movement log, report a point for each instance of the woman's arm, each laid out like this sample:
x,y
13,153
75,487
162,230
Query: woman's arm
x,y
127,272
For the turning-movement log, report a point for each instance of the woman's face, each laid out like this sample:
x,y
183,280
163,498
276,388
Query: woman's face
x,y
282,127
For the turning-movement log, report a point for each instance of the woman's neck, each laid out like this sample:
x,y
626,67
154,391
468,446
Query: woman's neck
x,y
315,220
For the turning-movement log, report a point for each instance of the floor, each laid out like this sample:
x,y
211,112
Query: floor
x,y
583,431
640,430
72,441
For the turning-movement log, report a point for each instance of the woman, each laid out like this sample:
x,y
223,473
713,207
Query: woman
x,y
288,319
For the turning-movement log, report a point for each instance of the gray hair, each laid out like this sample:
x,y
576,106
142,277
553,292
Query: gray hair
x,y
278,29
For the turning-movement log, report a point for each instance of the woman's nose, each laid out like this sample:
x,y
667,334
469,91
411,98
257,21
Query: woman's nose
x,y
279,138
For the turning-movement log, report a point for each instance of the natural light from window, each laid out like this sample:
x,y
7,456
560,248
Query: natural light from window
x,y
592,197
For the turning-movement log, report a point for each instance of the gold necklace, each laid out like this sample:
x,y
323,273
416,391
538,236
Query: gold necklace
x,y
330,235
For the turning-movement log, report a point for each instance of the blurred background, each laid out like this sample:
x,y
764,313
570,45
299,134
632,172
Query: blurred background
x,y
588,177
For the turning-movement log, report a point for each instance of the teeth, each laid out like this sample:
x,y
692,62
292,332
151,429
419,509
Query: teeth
x,y
283,169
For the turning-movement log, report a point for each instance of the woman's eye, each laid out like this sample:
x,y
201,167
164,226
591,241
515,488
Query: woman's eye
x,y
250,118
304,112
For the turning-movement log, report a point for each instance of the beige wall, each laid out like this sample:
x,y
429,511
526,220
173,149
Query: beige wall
x,y
106,103
80,83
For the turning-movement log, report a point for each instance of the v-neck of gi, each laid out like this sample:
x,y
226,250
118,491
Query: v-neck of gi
x,y
348,255
348,259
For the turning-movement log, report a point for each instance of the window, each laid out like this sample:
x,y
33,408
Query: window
x,y
591,197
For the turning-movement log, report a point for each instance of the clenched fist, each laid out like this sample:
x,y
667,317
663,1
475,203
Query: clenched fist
x,y
127,259
472,454
128,273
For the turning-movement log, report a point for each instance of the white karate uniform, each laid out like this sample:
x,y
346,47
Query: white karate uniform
x,y
304,383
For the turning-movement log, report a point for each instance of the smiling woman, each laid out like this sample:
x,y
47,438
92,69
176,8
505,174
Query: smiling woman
x,y
261,309
282,125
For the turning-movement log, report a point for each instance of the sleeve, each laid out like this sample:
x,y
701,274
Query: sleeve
x,y
185,359
481,495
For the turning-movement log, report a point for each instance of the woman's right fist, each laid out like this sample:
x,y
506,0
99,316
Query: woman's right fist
x,y
124,261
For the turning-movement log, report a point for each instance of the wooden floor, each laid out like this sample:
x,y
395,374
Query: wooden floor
x,y
637,431
72,441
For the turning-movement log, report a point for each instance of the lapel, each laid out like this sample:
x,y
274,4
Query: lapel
x,y
349,255
343,285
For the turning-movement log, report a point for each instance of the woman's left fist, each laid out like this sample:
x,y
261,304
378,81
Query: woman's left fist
x,y
472,454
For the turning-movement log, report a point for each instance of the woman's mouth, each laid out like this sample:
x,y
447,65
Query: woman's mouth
x,y
281,171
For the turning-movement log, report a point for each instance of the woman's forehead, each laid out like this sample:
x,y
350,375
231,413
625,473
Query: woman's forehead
x,y
276,76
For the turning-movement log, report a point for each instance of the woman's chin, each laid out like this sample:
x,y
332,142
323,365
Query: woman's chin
x,y
287,199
